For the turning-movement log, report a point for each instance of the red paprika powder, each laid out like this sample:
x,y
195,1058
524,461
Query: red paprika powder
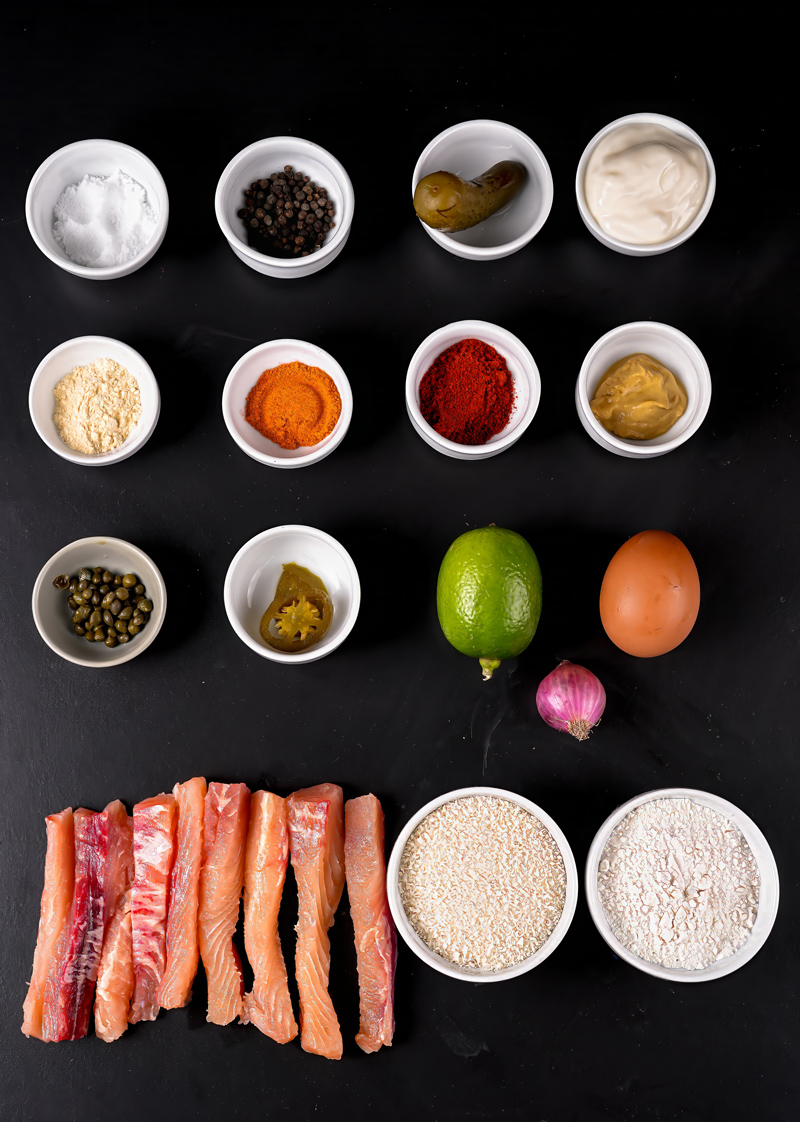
x,y
467,395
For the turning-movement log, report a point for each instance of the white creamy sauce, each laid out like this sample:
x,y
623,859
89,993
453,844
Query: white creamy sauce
x,y
644,184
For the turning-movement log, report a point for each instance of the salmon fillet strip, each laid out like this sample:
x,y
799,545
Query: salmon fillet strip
x,y
316,845
183,952
115,975
59,883
268,1006
227,810
376,939
153,853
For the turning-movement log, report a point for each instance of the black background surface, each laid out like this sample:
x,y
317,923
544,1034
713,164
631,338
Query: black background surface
x,y
396,711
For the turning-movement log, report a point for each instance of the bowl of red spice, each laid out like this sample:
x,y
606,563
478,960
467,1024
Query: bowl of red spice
x,y
472,389
287,403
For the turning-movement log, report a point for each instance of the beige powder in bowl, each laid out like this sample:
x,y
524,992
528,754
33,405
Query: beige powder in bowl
x,y
97,407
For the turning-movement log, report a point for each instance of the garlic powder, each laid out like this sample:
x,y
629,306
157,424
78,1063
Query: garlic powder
x,y
97,407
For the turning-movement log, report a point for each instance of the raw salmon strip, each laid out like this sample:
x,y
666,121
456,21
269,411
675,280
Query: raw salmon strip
x,y
115,975
227,810
59,881
269,1006
70,981
316,844
182,951
153,851
376,940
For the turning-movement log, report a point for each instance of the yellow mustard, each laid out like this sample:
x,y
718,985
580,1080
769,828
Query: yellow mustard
x,y
639,398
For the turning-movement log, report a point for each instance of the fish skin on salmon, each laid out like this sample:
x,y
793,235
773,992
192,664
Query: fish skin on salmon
x,y
175,990
268,1006
153,852
115,975
69,989
227,811
375,935
59,884
316,847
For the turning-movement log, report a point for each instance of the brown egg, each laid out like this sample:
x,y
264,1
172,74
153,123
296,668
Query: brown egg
x,y
650,594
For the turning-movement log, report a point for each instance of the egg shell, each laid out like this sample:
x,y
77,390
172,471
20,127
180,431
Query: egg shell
x,y
650,594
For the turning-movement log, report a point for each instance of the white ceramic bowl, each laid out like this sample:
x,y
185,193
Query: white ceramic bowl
x,y
523,369
244,376
669,346
69,165
51,613
421,949
594,226
62,360
253,576
768,890
258,161
470,149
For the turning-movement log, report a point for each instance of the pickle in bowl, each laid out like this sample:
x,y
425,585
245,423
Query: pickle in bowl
x,y
444,201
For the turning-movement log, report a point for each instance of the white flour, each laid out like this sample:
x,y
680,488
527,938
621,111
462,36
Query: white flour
x,y
679,884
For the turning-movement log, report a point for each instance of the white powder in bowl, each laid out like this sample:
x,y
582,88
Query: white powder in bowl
x,y
679,884
103,220
97,407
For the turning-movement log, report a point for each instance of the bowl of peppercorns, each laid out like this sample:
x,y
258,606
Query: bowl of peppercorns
x,y
285,206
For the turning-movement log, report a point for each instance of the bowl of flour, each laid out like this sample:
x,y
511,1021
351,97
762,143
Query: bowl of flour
x,y
98,209
682,885
94,400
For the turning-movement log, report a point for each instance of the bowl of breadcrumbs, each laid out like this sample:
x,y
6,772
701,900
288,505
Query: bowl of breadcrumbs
x,y
482,884
94,400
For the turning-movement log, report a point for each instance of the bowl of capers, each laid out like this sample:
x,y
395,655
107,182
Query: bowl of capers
x,y
99,602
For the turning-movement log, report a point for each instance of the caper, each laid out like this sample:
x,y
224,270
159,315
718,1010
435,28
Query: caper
x,y
108,599
61,581
99,634
80,614
121,625
103,589
126,612
89,636
123,638
133,628
85,574
83,585
117,581
96,598
139,590
73,603
79,629
96,618
138,618
115,607
98,569
107,577
108,618
145,605
128,581
73,584
111,641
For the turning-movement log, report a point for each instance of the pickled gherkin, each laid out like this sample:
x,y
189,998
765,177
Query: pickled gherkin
x,y
444,201
300,613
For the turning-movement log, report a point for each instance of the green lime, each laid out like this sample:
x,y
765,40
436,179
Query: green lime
x,y
489,595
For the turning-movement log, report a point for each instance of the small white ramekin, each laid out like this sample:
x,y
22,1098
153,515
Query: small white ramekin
x,y
421,949
769,890
527,384
244,376
258,161
51,613
670,347
62,360
628,248
69,165
253,576
469,149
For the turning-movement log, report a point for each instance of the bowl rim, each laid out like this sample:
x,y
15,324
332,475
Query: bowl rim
x,y
767,871
324,647
473,329
421,949
151,631
543,174
335,437
101,459
102,272
342,225
635,249
644,449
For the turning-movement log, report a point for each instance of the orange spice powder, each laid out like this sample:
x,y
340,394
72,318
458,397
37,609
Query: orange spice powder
x,y
294,405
